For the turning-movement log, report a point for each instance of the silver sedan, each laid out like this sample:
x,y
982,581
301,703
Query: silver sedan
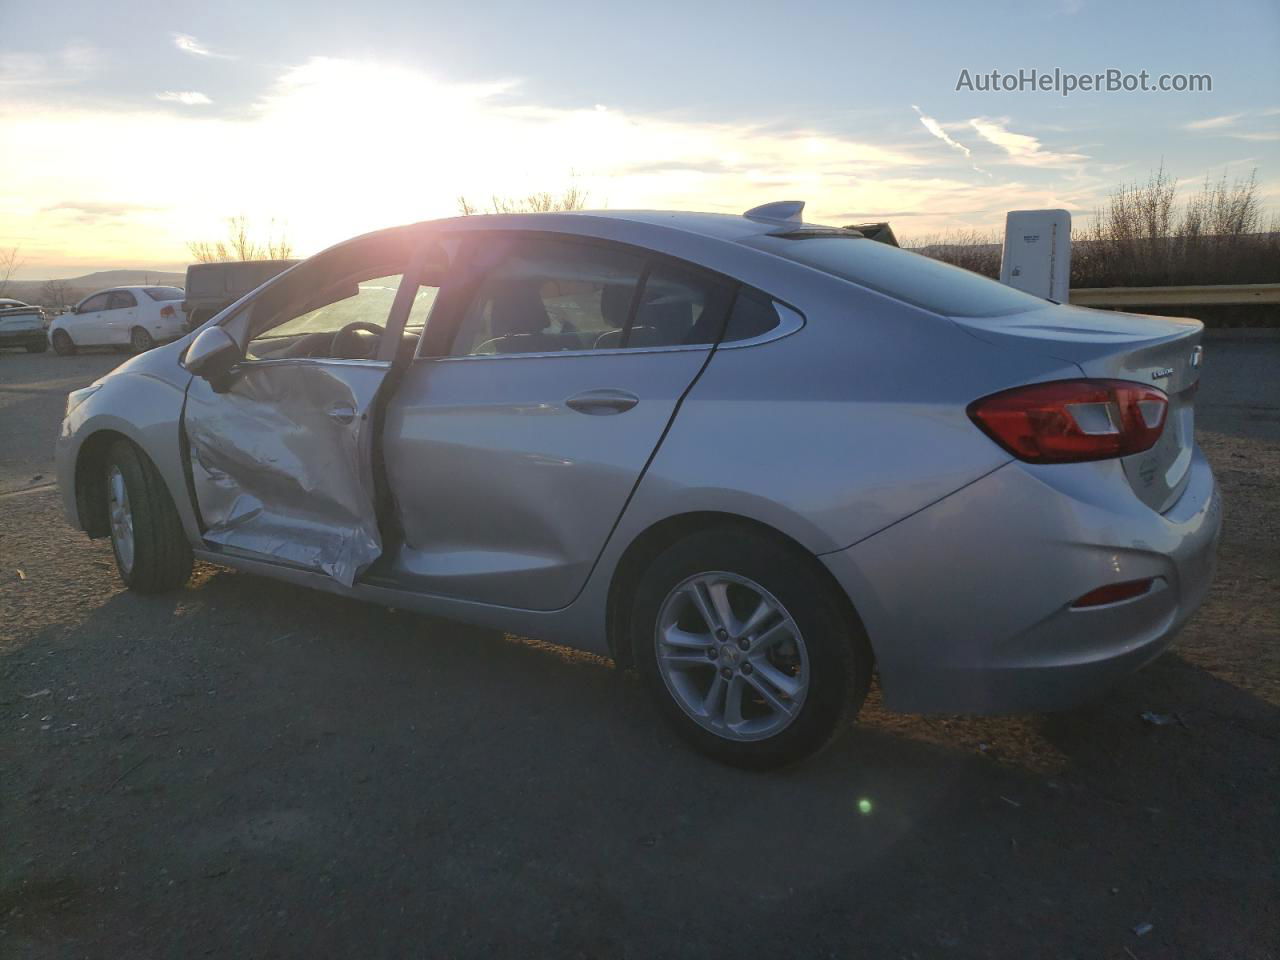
x,y
755,458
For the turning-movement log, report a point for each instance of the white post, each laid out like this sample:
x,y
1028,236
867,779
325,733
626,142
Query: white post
x,y
1037,253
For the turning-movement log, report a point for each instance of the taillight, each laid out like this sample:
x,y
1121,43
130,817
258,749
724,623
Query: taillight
x,y
167,311
1067,421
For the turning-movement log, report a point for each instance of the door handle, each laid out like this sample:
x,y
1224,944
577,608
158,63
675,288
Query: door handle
x,y
342,413
602,403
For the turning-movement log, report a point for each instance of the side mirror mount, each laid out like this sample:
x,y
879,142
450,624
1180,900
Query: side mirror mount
x,y
212,354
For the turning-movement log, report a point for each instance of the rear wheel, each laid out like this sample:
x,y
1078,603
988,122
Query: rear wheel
x,y
151,550
63,345
140,341
752,654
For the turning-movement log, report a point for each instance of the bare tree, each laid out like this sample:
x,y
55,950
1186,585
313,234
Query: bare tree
x,y
56,293
572,197
1140,239
241,245
9,265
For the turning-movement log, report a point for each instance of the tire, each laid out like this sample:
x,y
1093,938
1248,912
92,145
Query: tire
x,y
820,649
140,341
151,550
40,347
63,345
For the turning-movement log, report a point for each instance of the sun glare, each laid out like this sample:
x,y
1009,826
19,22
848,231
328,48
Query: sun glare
x,y
337,147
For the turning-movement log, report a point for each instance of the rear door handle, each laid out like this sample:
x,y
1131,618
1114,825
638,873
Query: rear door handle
x,y
342,414
602,403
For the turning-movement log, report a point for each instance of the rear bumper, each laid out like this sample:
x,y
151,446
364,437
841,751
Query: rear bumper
x,y
968,602
23,338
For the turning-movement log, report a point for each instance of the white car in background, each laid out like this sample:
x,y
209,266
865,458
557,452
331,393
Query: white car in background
x,y
133,317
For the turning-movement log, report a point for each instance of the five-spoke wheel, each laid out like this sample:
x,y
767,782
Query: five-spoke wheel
x,y
732,656
752,651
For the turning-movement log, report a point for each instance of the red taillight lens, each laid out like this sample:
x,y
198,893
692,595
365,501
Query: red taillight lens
x,y
1067,421
167,311
1115,592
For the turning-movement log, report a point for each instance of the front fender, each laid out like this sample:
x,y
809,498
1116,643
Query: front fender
x,y
143,408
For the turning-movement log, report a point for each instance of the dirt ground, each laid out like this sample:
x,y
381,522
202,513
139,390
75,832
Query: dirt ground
x,y
245,768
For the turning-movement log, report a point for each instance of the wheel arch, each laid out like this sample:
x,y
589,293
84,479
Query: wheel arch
x,y
657,537
91,480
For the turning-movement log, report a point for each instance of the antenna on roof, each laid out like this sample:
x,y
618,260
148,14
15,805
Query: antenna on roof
x,y
785,211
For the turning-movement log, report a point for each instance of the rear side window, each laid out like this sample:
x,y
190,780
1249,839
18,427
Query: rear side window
x,y
907,276
548,295
120,299
753,315
678,307
164,293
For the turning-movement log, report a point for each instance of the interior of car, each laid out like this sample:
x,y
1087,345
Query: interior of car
x,y
338,308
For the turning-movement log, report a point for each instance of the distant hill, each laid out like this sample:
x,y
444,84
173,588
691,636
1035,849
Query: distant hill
x,y
29,290
118,278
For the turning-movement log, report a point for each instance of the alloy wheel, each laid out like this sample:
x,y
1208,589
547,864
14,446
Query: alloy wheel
x,y
121,517
732,656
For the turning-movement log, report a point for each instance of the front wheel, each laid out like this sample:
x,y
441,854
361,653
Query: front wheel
x,y
140,341
753,655
151,550
63,345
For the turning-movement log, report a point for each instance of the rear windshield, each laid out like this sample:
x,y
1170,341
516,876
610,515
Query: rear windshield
x,y
165,293
908,276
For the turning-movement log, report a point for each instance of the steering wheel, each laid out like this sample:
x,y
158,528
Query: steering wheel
x,y
344,343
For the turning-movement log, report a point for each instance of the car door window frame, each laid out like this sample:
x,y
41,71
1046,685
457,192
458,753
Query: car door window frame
x,y
84,307
129,299
422,245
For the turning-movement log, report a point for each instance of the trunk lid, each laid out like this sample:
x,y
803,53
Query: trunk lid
x,y
1163,352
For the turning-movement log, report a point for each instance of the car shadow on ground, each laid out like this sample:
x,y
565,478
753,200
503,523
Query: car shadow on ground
x,y
257,767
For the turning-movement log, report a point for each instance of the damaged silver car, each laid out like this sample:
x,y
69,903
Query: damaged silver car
x,y
754,457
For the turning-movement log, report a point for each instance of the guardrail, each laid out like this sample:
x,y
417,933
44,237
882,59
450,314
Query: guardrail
x,y
1206,295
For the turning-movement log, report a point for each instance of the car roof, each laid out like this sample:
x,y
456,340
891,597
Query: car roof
x,y
783,217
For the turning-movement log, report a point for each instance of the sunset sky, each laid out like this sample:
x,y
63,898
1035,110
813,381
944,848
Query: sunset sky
x,y
132,128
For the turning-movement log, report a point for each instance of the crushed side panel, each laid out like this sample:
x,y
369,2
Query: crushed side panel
x,y
276,474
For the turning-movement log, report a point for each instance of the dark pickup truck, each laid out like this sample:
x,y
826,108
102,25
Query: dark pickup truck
x,y
212,287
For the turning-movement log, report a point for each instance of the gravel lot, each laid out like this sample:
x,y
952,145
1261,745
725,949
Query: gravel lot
x,y
245,768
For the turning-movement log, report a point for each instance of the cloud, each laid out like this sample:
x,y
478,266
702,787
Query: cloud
x,y
1213,123
142,207
71,63
1020,148
93,212
935,128
1227,124
190,98
189,44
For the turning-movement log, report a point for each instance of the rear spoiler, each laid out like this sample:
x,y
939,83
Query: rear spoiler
x,y
789,216
880,232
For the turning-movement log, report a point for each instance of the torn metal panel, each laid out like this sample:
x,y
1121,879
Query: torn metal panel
x,y
281,463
